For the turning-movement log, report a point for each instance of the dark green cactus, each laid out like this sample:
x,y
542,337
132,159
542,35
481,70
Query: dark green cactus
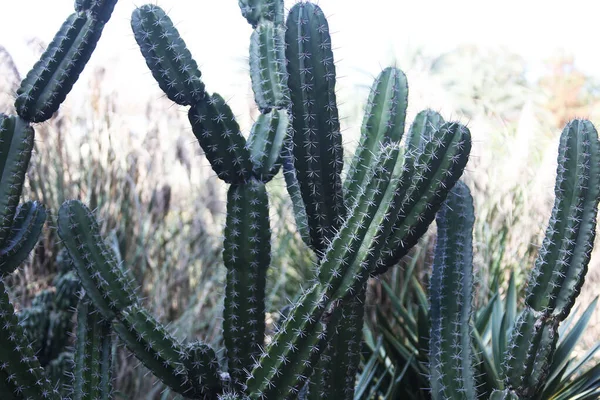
x,y
92,376
356,229
451,360
50,80
562,262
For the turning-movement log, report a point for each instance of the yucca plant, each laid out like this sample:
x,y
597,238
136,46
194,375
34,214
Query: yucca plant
x,y
516,350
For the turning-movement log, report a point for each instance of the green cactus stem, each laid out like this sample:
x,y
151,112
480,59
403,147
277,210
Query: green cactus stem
x,y
100,9
21,375
503,395
247,255
256,11
219,135
451,370
266,142
268,66
562,261
23,237
293,188
383,124
424,125
110,291
92,375
203,366
50,80
167,56
318,152
16,145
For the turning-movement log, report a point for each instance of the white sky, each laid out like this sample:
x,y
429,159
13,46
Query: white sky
x,y
366,33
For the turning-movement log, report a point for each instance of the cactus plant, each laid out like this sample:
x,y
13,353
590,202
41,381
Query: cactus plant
x,y
528,354
357,228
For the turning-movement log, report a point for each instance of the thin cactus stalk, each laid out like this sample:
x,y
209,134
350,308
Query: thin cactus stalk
x,y
315,126
92,375
562,262
51,79
451,370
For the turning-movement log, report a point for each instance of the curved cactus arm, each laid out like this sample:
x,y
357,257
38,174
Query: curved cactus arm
x,y
50,80
167,56
266,10
16,144
247,255
24,378
565,253
105,283
383,123
529,354
293,188
100,9
111,293
451,370
203,367
266,142
25,231
268,66
446,153
155,348
421,130
92,375
318,152
219,135
562,262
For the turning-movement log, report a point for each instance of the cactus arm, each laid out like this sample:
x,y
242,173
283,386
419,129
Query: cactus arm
x,y
451,358
50,80
23,237
318,153
293,188
247,255
104,282
219,135
167,56
203,367
111,293
16,144
27,378
562,262
265,143
383,123
93,372
268,66
100,9
155,348
424,125
427,191
267,10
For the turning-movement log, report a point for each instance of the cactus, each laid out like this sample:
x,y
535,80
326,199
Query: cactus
x,y
51,79
356,228
451,369
562,261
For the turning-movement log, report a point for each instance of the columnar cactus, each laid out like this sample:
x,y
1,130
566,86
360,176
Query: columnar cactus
x,y
553,285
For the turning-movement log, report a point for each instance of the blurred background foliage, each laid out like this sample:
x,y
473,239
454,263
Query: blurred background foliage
x,y
141,169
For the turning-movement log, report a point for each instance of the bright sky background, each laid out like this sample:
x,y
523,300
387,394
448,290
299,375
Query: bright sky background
x,y
366,33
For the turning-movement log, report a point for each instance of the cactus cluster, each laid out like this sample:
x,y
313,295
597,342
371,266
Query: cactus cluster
x,y
48,322
358,225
